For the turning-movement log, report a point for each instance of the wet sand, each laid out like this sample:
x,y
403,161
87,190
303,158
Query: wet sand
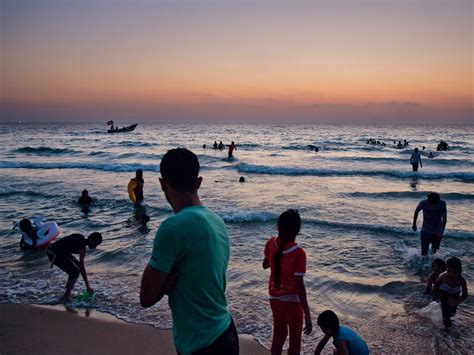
x,y
28,329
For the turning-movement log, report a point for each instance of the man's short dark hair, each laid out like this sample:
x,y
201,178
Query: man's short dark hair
x,y
180,168
328,320
433,197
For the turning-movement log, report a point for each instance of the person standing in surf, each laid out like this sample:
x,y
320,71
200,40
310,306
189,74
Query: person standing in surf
x,y
189,263
415,160
287,263
232,147
435,217
136,187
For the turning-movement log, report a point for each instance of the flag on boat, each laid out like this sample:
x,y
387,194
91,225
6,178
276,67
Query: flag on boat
x,y
109,123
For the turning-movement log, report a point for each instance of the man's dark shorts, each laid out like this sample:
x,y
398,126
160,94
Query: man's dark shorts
x,y
67,263
426,239
227,343
415,167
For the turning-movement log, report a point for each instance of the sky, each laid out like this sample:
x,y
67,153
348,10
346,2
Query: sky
x,y
368,61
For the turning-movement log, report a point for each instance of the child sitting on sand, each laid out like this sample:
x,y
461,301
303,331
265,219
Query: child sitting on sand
x,y
287,262
438,266
449,285
345,339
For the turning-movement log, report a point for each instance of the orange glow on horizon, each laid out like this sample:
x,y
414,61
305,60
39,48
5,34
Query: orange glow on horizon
x,y
197,57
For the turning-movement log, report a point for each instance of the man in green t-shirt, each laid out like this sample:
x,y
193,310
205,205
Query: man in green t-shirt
x,y
189,262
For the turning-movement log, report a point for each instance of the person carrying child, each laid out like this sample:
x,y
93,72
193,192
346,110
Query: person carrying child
x,y
345,339
451,287
287,262
438,266
135,187
60,254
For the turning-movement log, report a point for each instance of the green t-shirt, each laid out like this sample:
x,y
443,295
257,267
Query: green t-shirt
x,y
194,243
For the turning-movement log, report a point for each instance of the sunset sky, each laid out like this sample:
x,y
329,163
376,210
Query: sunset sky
x,y
237,61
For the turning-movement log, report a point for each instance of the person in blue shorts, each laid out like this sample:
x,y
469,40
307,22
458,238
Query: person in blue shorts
x,y
189,263
345,339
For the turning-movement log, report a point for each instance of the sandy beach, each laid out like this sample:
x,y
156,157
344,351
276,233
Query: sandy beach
x,y
28,329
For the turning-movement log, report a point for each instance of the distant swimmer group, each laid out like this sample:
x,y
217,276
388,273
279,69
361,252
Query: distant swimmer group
x,y
220,146
376,142
415,158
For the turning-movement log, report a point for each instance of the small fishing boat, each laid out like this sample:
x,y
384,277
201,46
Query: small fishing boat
x,y
123,129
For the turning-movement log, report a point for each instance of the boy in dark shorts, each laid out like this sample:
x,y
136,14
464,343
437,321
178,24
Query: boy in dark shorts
x,y
60,254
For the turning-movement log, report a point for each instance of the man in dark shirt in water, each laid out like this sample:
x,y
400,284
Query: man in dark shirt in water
x,y
60,254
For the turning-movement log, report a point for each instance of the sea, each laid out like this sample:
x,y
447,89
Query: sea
x,y
356,202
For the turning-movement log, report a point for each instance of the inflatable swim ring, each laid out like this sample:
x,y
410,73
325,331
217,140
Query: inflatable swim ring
x,y
131,190
46,233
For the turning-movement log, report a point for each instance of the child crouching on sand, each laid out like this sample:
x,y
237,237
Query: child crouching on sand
x,y
438,266
287,262
345,339
449,285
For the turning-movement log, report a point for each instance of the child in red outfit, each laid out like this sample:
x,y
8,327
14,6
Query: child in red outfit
x,y
287,262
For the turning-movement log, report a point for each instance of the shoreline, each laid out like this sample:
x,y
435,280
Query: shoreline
x,y
44,329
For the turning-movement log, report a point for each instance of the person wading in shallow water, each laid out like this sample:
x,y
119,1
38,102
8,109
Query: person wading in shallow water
x,y
189,263
232,147
434,222
415,160
60,254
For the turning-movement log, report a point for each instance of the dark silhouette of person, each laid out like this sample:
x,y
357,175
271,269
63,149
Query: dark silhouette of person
x,y
138,190
434,222
85,201
232,147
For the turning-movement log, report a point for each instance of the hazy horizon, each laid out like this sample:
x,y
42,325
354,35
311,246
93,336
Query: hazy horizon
x,y
361,61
